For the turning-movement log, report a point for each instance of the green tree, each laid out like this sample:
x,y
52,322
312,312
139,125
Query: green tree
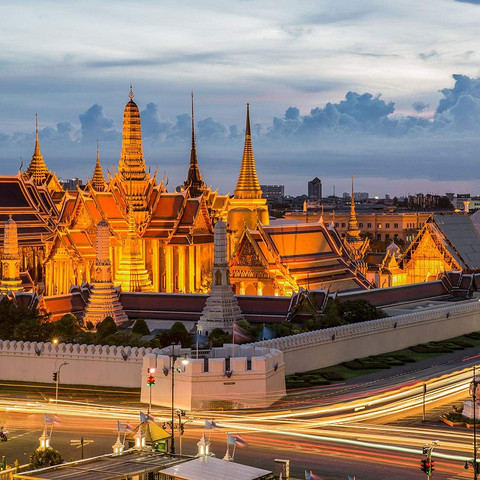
x,y
67,328
354,311
140,327
177,334
18,322
106,327
218,337
44,458
332,314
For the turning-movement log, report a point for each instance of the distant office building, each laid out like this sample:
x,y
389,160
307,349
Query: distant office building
x,y
315,189
273,193
71,183
359,196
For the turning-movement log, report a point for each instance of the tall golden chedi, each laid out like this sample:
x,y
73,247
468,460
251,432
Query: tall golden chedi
x,y
247,208
132,275
132,164
11,259
103,301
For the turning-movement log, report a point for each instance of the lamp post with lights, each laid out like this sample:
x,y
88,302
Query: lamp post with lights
x,y
173,359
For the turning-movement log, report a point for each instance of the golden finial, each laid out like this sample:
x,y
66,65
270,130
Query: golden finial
x,y
247,126
130,94
98,153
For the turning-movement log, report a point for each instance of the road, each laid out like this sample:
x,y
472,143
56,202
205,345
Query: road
x,y
358,430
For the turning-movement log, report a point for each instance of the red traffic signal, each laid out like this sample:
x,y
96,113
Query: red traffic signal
x,y
427,466
150,380
151,370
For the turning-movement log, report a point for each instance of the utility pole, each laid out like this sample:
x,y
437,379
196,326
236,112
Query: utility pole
x,y
57,378
424,393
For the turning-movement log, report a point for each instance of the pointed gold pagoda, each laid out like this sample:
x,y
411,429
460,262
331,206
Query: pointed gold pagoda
x,y
247,185
132,164
247,208
98,180
11,259
132,275
37,170
103,301
194,182
357,244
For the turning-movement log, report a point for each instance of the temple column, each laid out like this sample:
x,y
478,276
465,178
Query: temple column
x,y
191,269
181,269
242,288
198,268
155,266
169,269
260,288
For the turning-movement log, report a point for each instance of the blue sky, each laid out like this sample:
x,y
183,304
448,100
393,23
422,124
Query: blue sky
x,y
388,91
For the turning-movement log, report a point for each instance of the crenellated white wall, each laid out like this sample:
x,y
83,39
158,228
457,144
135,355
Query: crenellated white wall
x,y
195,388
331,346
87,364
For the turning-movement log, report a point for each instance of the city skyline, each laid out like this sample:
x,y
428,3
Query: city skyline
x,y
335,89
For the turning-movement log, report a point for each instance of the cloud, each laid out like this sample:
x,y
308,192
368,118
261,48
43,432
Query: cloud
x,y
428,55
419,107
474,2
95,124
463,86
152,124
210,129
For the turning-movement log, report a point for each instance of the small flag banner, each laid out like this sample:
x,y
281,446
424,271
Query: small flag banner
x,y
145,417
210,423
236,440
124,427
240,335
51,419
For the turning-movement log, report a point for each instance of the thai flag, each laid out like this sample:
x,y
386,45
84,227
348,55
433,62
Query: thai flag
x,y
146,417
240,442
240,335
210,423
124,427
51,419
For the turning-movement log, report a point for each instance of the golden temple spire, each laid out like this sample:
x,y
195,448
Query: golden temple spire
x,y
132,164
194,180
37,170
353,232
247,185
98,180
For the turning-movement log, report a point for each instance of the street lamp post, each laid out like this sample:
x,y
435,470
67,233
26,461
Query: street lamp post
x,y
473,392
173,359
58,381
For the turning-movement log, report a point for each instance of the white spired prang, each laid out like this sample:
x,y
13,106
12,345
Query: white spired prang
x,y
103,301
221,308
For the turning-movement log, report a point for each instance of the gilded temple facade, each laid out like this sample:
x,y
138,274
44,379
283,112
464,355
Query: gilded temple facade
x,y
162,241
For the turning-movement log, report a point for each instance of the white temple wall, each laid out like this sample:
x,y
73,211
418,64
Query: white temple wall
x,y
195,388
323,348
87,364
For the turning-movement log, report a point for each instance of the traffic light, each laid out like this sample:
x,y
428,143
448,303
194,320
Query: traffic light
x,y
55,376
432,465
426,466
150,380
151,370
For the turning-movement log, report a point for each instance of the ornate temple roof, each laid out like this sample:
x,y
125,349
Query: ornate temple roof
x,y
31,207
455,236
307,255
247,185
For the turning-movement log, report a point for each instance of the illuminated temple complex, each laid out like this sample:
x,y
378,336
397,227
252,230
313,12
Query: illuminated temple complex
x,y
161,241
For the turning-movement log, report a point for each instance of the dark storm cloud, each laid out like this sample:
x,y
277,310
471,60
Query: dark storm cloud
x,y
419,107
95,124
152,124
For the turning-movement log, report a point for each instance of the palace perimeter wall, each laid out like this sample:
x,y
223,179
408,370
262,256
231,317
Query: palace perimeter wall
x,y
122,366
323,348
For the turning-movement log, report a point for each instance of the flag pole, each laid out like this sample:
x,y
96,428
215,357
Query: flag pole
x,y
233,333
